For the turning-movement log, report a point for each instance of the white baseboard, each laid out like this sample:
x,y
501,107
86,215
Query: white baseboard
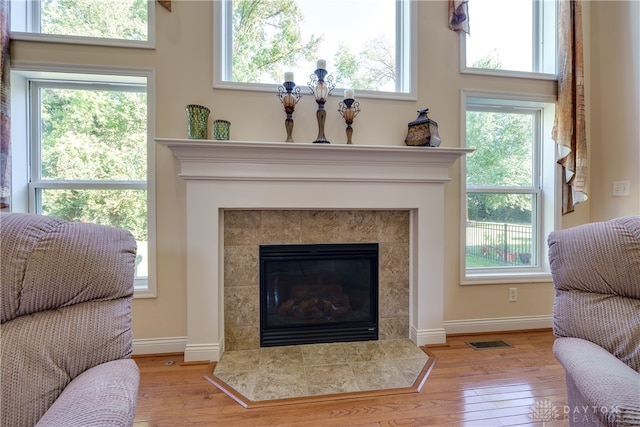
x,y
192,353
499,324
159,345
202,352
427,336
423,337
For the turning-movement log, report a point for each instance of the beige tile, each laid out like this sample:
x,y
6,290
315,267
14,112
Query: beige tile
x,y
241,337
394,227
394,263
245,230
401,349
330,379
363,351
410,368
281,383
323,354
241,306
394,300
298,371
273,358
359,226
321,226
378,375
392,328
280,227
241,266
241,227
239,360
242,382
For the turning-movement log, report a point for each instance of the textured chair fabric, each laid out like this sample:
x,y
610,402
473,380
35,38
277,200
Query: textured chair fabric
x,y
596,319
65,306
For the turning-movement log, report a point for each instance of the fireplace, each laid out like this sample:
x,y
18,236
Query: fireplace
x,y
241,175
318,293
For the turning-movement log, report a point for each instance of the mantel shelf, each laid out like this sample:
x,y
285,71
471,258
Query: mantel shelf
x,y
308,161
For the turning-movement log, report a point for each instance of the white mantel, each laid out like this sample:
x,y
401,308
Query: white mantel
x,y
224,175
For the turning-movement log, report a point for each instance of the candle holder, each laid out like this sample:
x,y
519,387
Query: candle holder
x,y
349,109
321,86
289,95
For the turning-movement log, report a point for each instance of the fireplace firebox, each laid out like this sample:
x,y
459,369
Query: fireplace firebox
x,y
318,293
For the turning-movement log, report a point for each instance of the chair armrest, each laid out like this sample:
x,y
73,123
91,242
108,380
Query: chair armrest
x,y
611,388
105,395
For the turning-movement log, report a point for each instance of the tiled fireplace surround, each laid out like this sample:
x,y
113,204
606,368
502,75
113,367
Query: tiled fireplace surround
x,y
245,230
242,194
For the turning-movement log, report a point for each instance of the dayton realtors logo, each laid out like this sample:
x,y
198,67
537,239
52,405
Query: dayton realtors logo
x,y
546,411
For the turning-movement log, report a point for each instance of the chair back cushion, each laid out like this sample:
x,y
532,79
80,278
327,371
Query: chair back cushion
x,y
596,274
65,298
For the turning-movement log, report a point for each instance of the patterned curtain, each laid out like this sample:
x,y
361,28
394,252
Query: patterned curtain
x,y
459,15
569,128
5,113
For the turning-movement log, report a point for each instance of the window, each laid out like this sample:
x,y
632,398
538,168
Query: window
x,y
103,22
367,43
87,153
510,181
511,37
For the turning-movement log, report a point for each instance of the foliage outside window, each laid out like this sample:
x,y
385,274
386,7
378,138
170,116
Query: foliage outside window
x,y
503,188
121,22
89,156
366,43
511,36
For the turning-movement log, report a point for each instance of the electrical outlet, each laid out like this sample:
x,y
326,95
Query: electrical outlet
x,y
513,294
621,188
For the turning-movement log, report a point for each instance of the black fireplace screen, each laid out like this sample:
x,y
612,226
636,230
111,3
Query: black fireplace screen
x,y
318,293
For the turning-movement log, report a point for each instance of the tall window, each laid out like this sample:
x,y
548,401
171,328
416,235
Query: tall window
x,y
367,43
87,151
507,186
106,22
511,36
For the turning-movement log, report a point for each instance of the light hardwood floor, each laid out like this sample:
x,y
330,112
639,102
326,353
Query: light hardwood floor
x,y
466,387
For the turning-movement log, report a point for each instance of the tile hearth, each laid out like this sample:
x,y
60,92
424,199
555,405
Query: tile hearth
x,y
313,370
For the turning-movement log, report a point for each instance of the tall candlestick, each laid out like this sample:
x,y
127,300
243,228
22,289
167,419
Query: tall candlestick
x,y
321,86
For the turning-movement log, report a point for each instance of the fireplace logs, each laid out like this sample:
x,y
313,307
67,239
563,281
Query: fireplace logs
x,y
322,302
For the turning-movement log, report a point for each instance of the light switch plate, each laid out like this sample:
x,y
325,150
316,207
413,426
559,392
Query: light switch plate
x,y
621,188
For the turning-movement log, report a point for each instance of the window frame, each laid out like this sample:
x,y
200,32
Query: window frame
x,y
407,34
544,40
25,14
26,141
546,186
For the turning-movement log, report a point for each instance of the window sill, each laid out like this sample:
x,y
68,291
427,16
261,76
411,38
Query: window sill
x,y
492,279
306,91
509,73
79,40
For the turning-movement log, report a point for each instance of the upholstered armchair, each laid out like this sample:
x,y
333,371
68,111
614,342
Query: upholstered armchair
x,y
65,297
596,319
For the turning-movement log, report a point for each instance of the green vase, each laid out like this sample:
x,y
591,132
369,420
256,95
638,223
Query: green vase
x,y
197,117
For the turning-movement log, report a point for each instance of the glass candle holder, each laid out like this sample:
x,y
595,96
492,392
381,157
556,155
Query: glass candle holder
x,y
197,117
221,130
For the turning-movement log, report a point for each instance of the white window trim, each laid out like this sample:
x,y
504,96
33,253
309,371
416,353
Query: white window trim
x,y
19,10
549,183
547,49
21,72
222,56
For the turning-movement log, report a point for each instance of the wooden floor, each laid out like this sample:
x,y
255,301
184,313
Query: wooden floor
x,y
466,387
